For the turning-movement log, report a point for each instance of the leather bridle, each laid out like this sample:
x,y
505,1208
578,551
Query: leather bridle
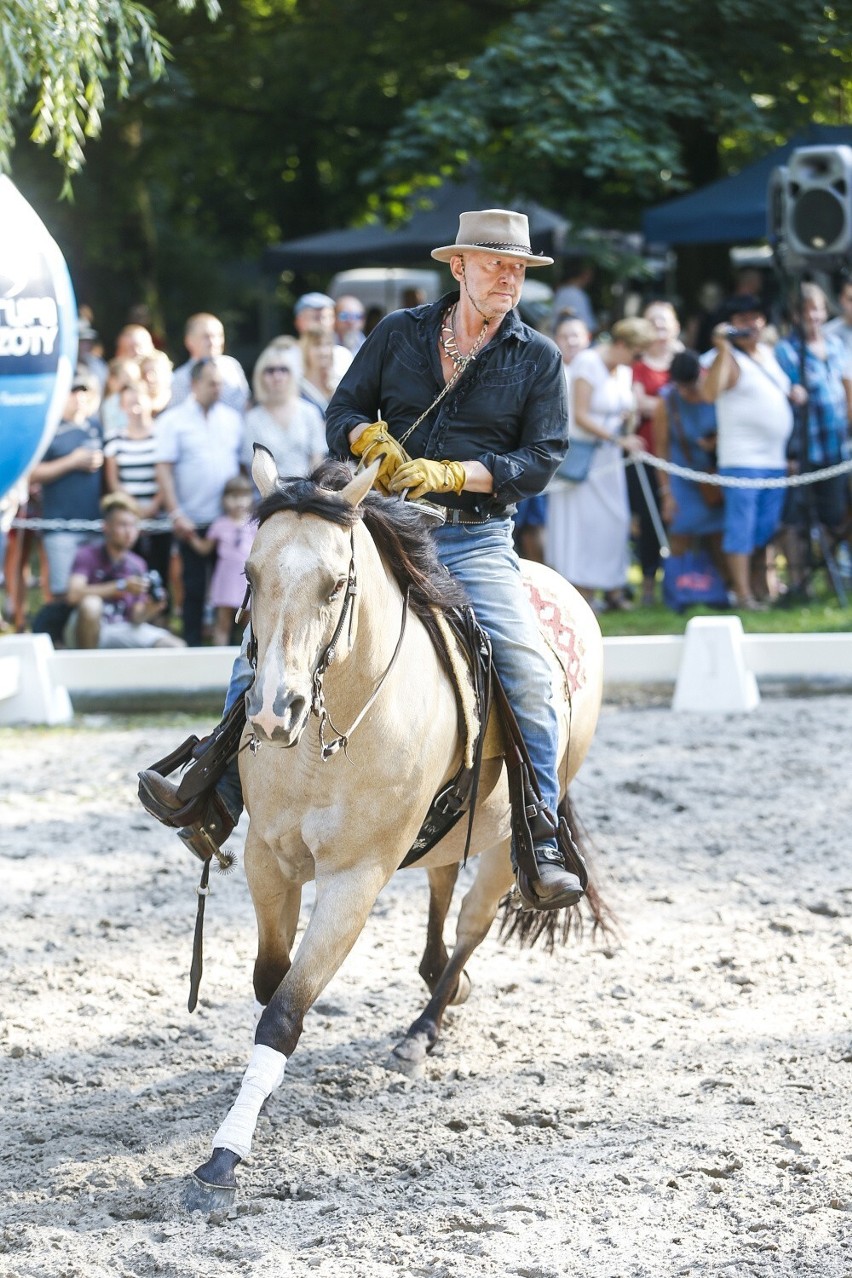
x,y
326,658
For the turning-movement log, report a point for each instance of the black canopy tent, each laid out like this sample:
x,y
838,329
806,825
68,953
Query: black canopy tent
x,y
732,210
375,245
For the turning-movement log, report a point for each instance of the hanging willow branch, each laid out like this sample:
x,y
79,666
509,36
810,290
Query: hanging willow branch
x,y
57,54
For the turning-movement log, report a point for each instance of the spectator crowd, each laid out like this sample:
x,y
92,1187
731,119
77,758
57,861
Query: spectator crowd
x,y
144,443
144,492
761,403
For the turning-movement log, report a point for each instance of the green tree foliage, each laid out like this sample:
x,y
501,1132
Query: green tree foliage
x,y
285,117
261,129
597,106
55,57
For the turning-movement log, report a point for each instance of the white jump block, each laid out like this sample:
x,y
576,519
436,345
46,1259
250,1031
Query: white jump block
x,y
713,676
37,699
10,677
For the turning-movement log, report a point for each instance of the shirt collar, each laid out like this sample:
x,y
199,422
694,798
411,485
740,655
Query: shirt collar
x,y
512,325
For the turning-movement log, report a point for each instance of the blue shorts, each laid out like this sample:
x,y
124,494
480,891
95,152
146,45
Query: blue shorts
x,y
752,515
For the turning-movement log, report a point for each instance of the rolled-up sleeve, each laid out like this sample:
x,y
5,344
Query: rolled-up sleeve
x,y
358,396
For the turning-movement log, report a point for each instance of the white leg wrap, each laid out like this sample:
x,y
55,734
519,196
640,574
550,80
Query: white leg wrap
x,y
265,1072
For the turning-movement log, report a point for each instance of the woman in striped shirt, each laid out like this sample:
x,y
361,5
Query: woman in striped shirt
x,y
130,467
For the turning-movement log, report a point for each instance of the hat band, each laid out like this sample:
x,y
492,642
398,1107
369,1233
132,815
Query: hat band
x,y
514,248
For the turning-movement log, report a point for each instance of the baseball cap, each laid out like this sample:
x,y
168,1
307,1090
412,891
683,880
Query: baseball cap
x,y
313,302
743,304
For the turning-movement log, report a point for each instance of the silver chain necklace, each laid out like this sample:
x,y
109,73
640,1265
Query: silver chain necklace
x,y
449,341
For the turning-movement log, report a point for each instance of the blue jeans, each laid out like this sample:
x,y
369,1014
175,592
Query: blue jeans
x,y
242,677
483,559
242,674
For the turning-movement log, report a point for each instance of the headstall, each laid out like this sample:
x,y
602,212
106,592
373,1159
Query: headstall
x,y
327,657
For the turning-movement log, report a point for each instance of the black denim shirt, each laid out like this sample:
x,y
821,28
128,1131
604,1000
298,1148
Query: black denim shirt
x,y
509,409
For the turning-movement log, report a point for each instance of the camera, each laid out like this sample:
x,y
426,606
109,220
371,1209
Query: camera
x,y
733,333
154,586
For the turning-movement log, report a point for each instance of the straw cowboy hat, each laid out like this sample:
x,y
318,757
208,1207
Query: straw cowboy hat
x,y
495,231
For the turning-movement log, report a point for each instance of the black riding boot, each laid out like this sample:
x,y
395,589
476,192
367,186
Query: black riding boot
x,y
205,805
553,885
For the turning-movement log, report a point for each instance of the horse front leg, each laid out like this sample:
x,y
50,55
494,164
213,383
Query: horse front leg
x,y
477,913
277,900
343,903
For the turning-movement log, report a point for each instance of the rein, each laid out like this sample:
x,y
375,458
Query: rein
x,y
328,656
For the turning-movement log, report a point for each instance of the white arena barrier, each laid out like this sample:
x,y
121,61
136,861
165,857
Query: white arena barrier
x,y
713,668
712,676
32,694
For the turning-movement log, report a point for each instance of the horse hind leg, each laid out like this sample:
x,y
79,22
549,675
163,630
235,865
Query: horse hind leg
x,y
477,913
442,882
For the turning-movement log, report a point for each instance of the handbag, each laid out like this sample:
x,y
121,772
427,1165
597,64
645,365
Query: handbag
x,y
577,461
692,579
711,494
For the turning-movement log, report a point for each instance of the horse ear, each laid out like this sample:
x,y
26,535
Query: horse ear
x,y
356,490
264,472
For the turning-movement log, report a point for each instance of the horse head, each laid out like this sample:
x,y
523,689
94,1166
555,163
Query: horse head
x,y
301,574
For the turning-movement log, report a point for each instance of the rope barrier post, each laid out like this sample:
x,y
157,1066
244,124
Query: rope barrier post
x,y
645,485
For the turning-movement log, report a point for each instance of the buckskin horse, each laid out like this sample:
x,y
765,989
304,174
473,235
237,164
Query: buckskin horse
x,y
344,589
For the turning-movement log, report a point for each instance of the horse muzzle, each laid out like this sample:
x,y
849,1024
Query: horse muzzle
x,y
281,723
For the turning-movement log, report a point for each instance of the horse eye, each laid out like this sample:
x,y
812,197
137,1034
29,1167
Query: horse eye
x,y
338,586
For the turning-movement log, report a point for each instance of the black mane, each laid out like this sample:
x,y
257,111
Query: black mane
x,y
396,527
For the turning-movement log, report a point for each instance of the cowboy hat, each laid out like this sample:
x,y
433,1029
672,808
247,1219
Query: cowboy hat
x,y
494,231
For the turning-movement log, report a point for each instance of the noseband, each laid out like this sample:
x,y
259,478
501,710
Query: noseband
x,y
326,658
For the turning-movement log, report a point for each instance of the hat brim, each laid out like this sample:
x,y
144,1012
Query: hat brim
x,y
449,251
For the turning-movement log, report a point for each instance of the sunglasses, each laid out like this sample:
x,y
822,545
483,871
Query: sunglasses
x,y
350,315
276,368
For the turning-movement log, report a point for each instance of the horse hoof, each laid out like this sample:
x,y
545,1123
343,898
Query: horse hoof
x,y
462,993
409,1056
213,1186
200,1197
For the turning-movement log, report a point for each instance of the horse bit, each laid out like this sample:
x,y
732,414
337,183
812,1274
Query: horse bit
x,y
328,656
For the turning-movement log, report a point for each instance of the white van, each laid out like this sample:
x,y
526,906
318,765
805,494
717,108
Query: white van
x,y
387,287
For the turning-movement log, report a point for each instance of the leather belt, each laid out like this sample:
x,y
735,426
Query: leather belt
x,y
455,516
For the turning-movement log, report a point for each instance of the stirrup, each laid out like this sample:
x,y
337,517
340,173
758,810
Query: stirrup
x,y
186,813
561,900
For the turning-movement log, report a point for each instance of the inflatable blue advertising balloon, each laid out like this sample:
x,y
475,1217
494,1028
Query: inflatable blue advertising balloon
x,y
38,336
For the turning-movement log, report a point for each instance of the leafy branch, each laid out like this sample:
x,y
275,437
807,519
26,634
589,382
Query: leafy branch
x,y
57,56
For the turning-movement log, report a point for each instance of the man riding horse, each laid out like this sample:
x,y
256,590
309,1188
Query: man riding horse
x,y
472,414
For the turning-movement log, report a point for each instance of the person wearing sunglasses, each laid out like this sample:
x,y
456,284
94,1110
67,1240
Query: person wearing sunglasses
x,y
349,317
281,420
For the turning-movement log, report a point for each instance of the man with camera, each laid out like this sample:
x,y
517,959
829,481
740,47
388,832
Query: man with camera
x,y
753,398
114,596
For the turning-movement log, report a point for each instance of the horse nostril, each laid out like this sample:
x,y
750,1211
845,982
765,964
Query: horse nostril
x,y
293,710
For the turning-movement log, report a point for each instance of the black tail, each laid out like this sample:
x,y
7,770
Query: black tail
x,y
529,927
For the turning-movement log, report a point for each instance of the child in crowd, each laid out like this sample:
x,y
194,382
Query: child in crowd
x,y
231,536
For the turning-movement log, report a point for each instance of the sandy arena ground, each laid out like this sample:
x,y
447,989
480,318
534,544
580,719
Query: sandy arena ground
x,y
674,1101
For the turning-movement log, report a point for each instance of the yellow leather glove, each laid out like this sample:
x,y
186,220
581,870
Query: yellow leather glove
x,y
372,442
424,476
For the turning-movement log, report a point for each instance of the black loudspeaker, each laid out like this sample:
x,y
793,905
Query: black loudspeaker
x,y
816,205
776,206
